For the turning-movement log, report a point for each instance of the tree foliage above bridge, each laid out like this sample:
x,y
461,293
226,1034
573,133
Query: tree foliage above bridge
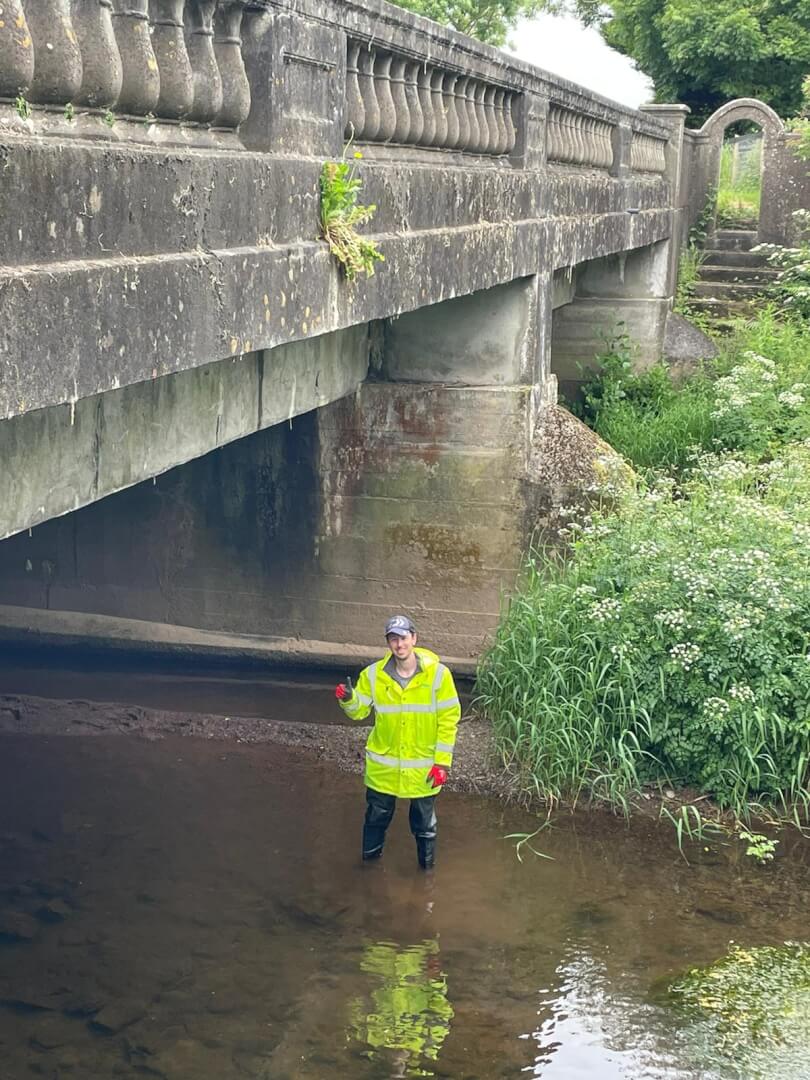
x,y
704,54
487,20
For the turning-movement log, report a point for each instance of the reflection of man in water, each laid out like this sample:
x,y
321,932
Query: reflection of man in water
x,y
407,1011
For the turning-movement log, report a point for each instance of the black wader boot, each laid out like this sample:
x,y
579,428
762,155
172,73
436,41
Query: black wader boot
x,y
379,811
422,819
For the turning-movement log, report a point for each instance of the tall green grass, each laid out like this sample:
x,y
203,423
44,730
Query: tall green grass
x,y
672,643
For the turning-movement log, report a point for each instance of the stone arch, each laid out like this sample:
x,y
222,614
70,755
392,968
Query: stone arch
x,y
769,229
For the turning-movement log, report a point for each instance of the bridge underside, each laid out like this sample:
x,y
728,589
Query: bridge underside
x,y
389,465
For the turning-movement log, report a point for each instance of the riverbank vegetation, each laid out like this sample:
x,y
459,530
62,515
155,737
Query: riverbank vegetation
x,y
669,645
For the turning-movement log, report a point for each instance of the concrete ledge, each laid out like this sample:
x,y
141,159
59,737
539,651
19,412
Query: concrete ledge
x,y
30,628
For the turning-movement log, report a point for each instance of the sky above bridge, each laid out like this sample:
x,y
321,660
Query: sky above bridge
x,y
561,44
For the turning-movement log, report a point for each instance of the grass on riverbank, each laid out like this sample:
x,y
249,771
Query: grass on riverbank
x,y
672,645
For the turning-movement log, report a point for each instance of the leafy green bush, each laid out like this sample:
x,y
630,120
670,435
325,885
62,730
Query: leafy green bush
x,y
341,213
755,398
672,643
792,286
671,646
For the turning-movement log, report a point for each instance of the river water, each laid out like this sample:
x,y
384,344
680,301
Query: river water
x,y
196,910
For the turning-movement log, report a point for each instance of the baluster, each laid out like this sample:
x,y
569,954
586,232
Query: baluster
x,y
228,51
511,132
570,148
102,73
596,139
414,135
140,84
207,100
449,100
474,140
460,96
440,118
579,146
16,51
385,99
426,101
569,154
57,60
355,110
588,154
489,116
482,145
551,134
401,114
176,80
583,156
371,107
503,136
599,143
607,146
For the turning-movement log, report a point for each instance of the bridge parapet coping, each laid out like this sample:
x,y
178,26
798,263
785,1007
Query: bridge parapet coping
x,y
298,79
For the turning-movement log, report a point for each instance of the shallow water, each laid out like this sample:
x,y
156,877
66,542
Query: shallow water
x,y
197,911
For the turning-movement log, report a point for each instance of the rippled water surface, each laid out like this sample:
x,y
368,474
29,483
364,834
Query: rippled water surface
x,y
197,911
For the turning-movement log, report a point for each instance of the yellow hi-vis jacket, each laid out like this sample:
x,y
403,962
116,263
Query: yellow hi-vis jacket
x,y
414,729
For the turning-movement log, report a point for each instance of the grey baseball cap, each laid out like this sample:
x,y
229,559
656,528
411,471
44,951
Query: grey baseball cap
x,y
399,625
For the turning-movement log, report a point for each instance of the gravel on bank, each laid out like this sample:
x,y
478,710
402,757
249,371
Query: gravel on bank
x,y
475,766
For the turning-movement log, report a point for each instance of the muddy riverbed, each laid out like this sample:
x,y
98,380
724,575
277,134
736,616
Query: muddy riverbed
x,y
194,908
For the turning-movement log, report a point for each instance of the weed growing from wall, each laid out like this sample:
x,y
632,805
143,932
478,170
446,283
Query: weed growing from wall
x,y
341,213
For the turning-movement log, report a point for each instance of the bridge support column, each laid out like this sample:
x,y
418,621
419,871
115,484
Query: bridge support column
x,y
426,502
629,293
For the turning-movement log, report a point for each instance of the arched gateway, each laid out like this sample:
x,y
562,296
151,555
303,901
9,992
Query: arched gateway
x,y
773,225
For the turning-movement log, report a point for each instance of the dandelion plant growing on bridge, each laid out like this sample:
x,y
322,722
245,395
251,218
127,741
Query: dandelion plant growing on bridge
x,y
341,213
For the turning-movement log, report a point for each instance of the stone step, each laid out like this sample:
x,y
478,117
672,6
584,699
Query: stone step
x,y
734,239
716,309
746,275
726,290
714,257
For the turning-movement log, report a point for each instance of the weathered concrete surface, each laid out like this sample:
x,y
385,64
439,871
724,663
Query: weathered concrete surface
x,y
402,495
38,628
486,339
58,459
620,296
198,257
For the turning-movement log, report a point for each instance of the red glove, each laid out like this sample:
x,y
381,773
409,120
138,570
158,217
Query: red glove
x,y
438,774
344,691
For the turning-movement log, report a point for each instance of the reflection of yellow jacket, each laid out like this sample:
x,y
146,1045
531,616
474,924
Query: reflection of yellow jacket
x,y
414,729
409,1006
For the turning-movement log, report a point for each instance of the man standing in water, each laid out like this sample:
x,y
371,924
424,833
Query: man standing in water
x,y
410,748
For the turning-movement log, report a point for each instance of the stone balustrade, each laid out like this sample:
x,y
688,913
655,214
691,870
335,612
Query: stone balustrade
x,y
148,60
302,77
647,153
393,98
576,138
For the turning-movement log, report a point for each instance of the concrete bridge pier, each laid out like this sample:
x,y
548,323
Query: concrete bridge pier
x,y
628,294
425,500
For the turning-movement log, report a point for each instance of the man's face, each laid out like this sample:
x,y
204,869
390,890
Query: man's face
x,y
401,647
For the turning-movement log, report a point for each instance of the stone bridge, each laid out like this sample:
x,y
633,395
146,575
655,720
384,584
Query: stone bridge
x,y
164,294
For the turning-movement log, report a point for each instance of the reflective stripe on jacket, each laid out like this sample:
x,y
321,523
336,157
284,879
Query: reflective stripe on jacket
x,y
414,728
